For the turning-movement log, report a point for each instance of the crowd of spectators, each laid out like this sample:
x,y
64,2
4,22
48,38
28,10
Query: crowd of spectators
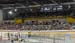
x,y
47,25
37,25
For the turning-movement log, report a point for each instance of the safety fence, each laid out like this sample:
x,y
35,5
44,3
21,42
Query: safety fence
x,y
36,37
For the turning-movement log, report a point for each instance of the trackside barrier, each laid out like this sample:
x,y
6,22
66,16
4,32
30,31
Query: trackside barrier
x,y
37,36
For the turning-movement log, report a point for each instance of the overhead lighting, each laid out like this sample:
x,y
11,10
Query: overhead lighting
x,y
61,6
69,6
54,9
46,9
10,12
15,10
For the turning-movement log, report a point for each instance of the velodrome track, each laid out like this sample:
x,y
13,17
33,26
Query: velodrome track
x,y
40,36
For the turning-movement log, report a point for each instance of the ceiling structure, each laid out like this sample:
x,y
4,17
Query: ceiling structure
x,y
23,3
35,6
34,1
9,4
